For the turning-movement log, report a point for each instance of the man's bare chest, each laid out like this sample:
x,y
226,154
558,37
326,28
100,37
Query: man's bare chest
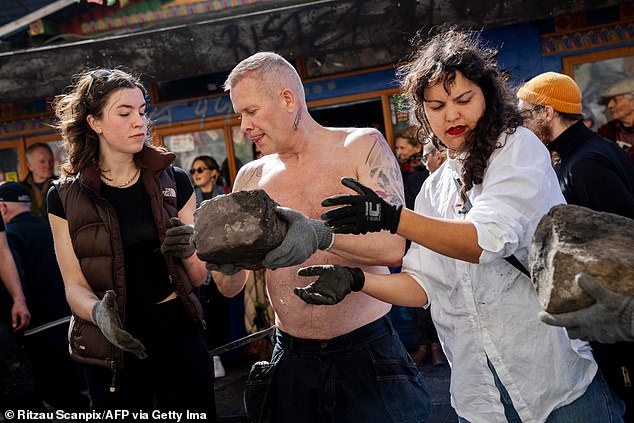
x,y
304,191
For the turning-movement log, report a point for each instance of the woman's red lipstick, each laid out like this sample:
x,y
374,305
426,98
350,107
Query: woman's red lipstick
x,y
456,130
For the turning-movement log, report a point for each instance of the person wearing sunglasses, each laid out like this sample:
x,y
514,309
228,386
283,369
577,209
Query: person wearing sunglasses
x,y
205,174
136,326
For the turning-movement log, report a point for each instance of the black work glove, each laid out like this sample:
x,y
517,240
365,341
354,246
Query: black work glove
x,y
610,319
333,284
303,237
179,240
105,315
364,213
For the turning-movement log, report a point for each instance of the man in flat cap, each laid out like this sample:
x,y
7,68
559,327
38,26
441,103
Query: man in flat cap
x,y
593,172
619,99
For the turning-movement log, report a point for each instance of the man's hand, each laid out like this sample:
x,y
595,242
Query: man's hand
x,y
610,319
105,315
20,315
364,213
333,284
179,240
303,237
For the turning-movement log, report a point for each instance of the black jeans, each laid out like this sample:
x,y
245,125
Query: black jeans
x,y
363,376
176,375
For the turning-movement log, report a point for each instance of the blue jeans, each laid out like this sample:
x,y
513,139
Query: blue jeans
x,y
597,405
363,376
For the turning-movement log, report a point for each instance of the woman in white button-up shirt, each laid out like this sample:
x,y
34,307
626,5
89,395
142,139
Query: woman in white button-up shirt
x,y
481,206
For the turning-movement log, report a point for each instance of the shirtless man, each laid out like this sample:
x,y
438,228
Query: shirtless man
x,y
341,363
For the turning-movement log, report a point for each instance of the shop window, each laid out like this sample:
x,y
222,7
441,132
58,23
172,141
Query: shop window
x,y
59,154
9,164
188,146
399,113
242,147
595,72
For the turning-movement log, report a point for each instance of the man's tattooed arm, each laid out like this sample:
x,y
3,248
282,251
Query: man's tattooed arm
x,y
384,171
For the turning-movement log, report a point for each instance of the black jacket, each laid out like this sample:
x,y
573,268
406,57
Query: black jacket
x,y
31,243
594,172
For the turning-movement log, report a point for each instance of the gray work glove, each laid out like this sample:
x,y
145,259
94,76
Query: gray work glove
x,y
610,319
303,237
227,268
333,284
179,240
105,315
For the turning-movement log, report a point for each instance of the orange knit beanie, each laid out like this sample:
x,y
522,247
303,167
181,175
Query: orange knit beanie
x,y
553,89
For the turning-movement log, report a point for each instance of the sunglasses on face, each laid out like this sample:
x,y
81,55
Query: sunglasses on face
x,y
198,170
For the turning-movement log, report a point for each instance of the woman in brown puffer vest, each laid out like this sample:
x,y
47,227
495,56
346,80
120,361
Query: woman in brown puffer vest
x,y
136,324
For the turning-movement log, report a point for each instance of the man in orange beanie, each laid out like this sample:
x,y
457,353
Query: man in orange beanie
x,y
593,172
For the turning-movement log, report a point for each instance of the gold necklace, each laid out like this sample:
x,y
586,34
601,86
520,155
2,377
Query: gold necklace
x,y
106,180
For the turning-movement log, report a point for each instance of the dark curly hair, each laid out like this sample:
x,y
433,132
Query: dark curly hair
x,y
436,60
88,95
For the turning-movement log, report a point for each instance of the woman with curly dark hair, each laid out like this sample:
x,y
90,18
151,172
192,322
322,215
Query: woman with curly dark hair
x,y
471,229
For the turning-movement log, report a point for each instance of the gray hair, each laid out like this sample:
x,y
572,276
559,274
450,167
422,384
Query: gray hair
x,y
37,146
266,65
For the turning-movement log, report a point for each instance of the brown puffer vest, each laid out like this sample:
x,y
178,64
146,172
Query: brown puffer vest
x,y
96,239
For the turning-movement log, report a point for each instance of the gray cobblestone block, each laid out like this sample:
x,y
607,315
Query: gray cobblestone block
x,y
238,228
572,239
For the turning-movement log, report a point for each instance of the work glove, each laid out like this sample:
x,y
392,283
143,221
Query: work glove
x,y
610,319
105,315
179,240
303,237
227,268
364,213
333,284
